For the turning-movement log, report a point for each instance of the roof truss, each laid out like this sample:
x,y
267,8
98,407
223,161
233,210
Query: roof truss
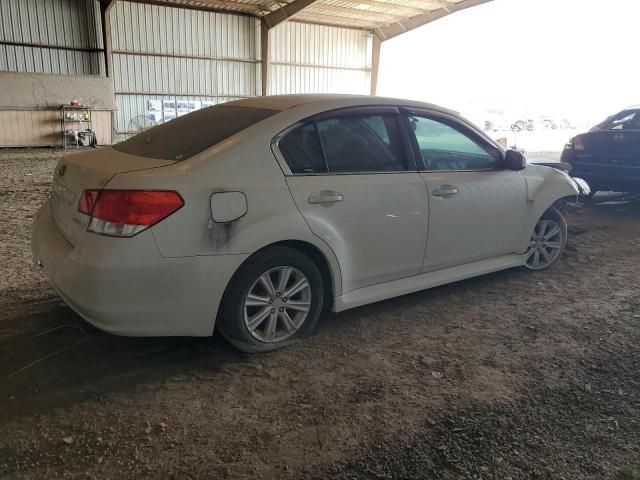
x,y
386,18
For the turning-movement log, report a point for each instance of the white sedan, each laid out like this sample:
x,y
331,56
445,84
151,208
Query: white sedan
x,y
253,215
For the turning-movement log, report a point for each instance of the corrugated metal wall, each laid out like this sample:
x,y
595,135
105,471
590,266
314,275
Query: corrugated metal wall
x,y
167,61
44,25
167,57
307,58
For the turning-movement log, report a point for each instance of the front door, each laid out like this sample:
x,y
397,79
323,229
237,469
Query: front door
x,y
359,191
476,209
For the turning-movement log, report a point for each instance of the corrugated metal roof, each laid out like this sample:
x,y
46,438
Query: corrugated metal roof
x,y
387,17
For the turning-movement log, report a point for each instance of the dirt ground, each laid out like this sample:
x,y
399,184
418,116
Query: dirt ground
x,y
513,375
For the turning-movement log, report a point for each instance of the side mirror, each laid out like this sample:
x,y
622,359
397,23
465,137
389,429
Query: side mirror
x,y
514,160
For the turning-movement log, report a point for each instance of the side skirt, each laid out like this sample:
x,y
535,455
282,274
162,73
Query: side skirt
x,y
403,286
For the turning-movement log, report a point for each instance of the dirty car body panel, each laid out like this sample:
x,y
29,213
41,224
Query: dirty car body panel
x,y
378,234
608,156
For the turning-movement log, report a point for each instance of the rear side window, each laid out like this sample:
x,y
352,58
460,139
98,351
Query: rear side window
x,y
190,134
624,120
630,121
346,144
302,150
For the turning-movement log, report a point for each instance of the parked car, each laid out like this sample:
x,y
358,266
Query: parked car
x,y
608,156
520,125
253,215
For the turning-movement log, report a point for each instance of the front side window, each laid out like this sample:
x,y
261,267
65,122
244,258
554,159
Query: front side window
x,y
445,148
346,144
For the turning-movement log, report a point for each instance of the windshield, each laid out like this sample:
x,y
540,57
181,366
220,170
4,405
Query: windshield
x,y
625,120
190,134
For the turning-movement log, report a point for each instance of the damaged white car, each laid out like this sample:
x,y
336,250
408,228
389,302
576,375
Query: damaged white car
x,y
253,215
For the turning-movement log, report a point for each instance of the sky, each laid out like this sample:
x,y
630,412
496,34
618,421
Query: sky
x,y
560,57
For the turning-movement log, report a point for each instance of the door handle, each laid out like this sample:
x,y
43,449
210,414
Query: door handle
x,y
445,191
325,196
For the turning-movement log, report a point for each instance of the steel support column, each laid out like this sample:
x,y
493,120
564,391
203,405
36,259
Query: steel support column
x,y
375,63
105,7
265,61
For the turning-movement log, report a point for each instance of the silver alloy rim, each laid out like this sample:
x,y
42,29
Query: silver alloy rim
x,y
277,304
545,244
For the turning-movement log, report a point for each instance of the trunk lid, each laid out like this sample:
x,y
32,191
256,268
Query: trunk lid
x,y
610,147
84,171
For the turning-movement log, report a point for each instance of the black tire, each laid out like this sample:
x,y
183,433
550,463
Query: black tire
x,y
557,217
231,318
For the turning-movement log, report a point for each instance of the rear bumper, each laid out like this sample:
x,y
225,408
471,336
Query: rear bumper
x,y
602,174
606,177
132,290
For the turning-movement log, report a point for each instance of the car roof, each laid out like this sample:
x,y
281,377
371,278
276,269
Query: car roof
x,y
332,101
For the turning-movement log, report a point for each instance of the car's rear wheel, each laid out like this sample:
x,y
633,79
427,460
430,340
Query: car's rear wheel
x,y
274,299
547,241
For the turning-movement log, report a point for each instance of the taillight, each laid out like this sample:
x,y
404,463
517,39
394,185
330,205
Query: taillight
x,y
88,201
124,213
577,144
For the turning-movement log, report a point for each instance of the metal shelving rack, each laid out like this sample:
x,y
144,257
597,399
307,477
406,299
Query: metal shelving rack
x,y
64,121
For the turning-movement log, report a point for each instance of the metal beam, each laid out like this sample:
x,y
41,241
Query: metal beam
x,y
221,6
105,20
375,63
182,55
254,7
333,21
264,57
285,12
401,9
51,47
355,13
394,29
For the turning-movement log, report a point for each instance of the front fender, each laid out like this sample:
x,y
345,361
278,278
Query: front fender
x,y
545,186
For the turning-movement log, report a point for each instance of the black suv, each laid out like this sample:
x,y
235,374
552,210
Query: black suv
x,y
608,156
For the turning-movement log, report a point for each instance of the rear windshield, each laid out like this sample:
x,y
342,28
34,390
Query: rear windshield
x,y
190,134
625,120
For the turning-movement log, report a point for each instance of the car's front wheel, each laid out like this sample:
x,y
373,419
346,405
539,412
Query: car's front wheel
x,y
274,299
547,241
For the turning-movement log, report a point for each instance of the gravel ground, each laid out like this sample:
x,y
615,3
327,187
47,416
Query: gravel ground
x,y
25,183
512,375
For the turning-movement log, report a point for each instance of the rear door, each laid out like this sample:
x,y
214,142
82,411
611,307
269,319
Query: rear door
x,y
353,177
476,209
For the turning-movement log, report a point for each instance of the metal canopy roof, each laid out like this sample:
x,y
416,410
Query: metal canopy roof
x,y
386,18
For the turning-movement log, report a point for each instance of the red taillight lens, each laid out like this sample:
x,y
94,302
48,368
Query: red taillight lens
x,y
134,207
124,213
88,201
577,144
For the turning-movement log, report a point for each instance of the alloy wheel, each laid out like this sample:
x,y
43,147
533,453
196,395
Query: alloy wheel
x,y
277,304
545,245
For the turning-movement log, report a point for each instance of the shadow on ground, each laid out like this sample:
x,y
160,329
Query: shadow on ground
x,y
58,359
